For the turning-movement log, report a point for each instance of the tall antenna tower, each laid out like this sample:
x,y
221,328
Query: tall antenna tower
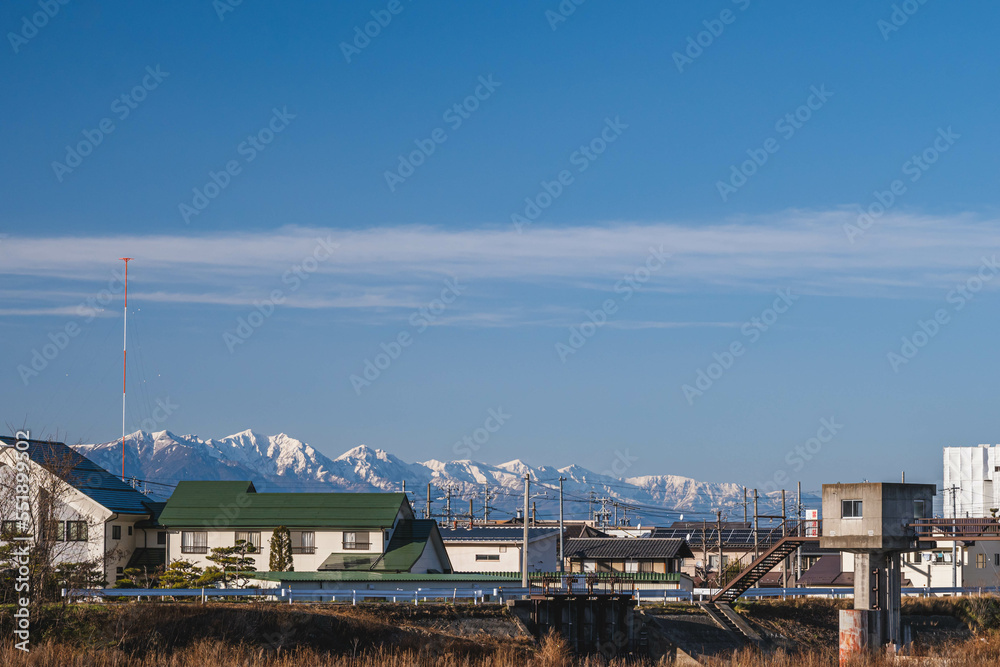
x,y
124,354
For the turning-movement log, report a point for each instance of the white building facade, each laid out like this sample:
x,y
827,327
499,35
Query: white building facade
x,y
970,476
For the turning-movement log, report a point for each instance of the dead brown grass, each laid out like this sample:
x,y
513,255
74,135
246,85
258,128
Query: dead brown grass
x,y
269,635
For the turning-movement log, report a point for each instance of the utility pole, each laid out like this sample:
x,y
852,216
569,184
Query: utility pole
x,y
534,513
718,520
616,514
472,516
603,515
404,487
954,543
744,504
756,548
486,503
591,506
704,549
784,533
562,558
447,510
427,512
524,545
798,531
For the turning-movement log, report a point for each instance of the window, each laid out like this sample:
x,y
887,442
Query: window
x,y
116,532
646,566
193,542
919,509
54,530
487,556
850,509
120,571
631,566
356,540
130,530
76,531
980,561
9,529
161,537
304,542
996,560
252,538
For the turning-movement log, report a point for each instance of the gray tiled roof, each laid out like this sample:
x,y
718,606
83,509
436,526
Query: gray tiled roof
x,y
623,548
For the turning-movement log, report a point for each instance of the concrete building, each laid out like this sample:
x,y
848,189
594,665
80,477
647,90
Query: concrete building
x,y
970,474
874,522
331,532
499,548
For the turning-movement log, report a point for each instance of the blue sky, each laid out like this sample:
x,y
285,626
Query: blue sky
x,y
690,177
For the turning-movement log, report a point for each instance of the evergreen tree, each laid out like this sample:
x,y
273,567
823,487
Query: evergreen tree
x,y
180,574
235,564
281,550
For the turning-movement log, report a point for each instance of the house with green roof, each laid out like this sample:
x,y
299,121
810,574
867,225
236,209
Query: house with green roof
x,y
352,535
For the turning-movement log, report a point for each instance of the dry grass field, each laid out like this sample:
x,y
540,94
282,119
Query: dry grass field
x,y
269,635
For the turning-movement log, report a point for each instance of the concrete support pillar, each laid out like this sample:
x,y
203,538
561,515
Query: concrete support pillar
x,y
877,588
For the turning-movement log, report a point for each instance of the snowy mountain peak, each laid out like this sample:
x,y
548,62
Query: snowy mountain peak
x,y
283,463
360,452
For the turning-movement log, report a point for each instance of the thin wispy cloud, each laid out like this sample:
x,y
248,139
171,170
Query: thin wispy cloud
x,y
397,268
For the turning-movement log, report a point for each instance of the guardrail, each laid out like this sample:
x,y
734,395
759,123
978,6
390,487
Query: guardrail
x,y
479,595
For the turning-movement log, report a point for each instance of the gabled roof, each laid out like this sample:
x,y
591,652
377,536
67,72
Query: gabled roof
x,y
583,530
237,504
409,540
826,571
626,548
408,543
86,476
499,534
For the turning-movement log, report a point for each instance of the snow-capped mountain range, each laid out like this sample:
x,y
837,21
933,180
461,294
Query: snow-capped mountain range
x,y
282,463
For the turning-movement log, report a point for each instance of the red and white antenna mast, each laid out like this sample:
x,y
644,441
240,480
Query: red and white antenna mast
x,y
124,352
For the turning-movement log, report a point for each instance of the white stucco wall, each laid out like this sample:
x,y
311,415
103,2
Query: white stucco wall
x,y
542,555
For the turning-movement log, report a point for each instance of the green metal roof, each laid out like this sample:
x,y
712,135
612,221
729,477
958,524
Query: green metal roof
x,y
347,561
368,575
237,504
409,540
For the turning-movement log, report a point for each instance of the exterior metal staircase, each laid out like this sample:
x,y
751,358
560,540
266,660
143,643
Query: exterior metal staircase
x,y
725,617
754,572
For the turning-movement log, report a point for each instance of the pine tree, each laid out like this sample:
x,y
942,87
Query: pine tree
x,y
281,550
180,574
235,564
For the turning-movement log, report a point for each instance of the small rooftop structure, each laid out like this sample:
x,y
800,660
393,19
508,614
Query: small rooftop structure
x,y
874,515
